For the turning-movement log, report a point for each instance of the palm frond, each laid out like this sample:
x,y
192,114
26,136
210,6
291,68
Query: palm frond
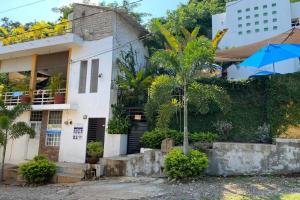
x,y
2,137
19,129
165,114
166,59
171,39
18,110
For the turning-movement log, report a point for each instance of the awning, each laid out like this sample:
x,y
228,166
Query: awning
x,y
241,53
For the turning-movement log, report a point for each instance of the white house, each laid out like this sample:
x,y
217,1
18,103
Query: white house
x,y
86,57
250,21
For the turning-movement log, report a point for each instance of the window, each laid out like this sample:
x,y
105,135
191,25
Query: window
x,y
55,117
275,27
248,17
239,11
247,9
240,18
53,135
295,22
274,4
265,6
274,12
266,29
248,24
266,21
248,31
256,15
94,76
257,23
240,25
240,33
257,30
256,8
36,122
82,76
275,20
265,14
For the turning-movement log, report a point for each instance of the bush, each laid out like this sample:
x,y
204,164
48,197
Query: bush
x,y
154,138
180,166
38,171
119,123
94,149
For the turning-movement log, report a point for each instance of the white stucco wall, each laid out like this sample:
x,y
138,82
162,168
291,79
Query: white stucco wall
x,y
94,105
238,73
234,39
23,148
295,9
16,65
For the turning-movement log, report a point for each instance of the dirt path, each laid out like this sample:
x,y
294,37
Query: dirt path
x,y
156,189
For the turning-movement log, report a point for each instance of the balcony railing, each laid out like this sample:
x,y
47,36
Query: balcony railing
x,y
12,98
40,97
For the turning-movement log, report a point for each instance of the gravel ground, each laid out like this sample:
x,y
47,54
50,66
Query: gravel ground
x,y
237,188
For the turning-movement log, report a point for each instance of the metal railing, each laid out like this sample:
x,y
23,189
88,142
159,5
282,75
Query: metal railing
x,y
44,97
12,99
40,97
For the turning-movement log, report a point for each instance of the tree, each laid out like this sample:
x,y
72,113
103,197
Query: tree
x,y
183,59
133,81
128,7
9,129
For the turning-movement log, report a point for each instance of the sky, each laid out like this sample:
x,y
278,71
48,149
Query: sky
x,y
42,10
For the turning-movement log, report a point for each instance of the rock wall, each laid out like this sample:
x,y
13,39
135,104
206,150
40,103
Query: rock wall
x,y
251,159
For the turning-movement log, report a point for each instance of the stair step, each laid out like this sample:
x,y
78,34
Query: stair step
x,y
67,178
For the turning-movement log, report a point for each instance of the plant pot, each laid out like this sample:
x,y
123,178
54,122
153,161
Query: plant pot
x,y
59,99
25,99
92,160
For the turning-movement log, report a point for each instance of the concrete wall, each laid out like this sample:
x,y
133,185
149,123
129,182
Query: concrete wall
x,y
251,159
233,38
16,65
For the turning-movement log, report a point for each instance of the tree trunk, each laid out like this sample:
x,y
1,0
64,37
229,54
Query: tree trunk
x,y
3,158
185,121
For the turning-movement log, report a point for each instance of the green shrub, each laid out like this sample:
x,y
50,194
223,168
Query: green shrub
x,y
119,123
180,166
94,149
154,138
203,137
38,171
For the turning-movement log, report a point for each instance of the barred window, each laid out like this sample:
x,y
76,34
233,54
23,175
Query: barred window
x,y
36,122
55,117
53,134
53,138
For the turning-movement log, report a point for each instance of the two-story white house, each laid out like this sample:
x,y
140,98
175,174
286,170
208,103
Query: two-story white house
x,y
86,58
251,21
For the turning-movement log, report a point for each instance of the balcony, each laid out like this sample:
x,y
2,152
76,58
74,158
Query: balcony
x,y
42,100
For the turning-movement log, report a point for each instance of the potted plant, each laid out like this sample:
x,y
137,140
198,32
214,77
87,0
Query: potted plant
x,y
94,152
55,84
22,86
118,127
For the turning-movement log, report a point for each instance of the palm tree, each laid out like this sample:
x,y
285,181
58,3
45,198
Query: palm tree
x,y
9,129
183,59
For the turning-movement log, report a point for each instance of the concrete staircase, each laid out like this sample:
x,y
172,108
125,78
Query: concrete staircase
x,y
69,172
12,175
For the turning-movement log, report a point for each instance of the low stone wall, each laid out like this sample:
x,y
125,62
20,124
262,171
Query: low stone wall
x,y
148,163
252,159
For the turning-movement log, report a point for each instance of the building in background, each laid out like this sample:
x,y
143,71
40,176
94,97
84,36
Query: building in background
x,y
251,21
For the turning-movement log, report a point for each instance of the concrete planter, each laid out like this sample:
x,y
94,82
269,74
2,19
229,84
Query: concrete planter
x,y
115,145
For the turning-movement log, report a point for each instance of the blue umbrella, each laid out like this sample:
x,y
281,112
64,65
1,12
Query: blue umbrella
x,y
263,73
271,54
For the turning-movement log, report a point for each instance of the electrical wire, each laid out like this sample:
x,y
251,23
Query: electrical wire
x,y
72,20
21,6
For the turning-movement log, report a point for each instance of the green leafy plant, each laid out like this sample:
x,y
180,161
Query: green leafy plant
x,y
95,149
38,171
181,166
183,58
133,81
55,83
223,128
9,129
153,139
119,123
21,85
